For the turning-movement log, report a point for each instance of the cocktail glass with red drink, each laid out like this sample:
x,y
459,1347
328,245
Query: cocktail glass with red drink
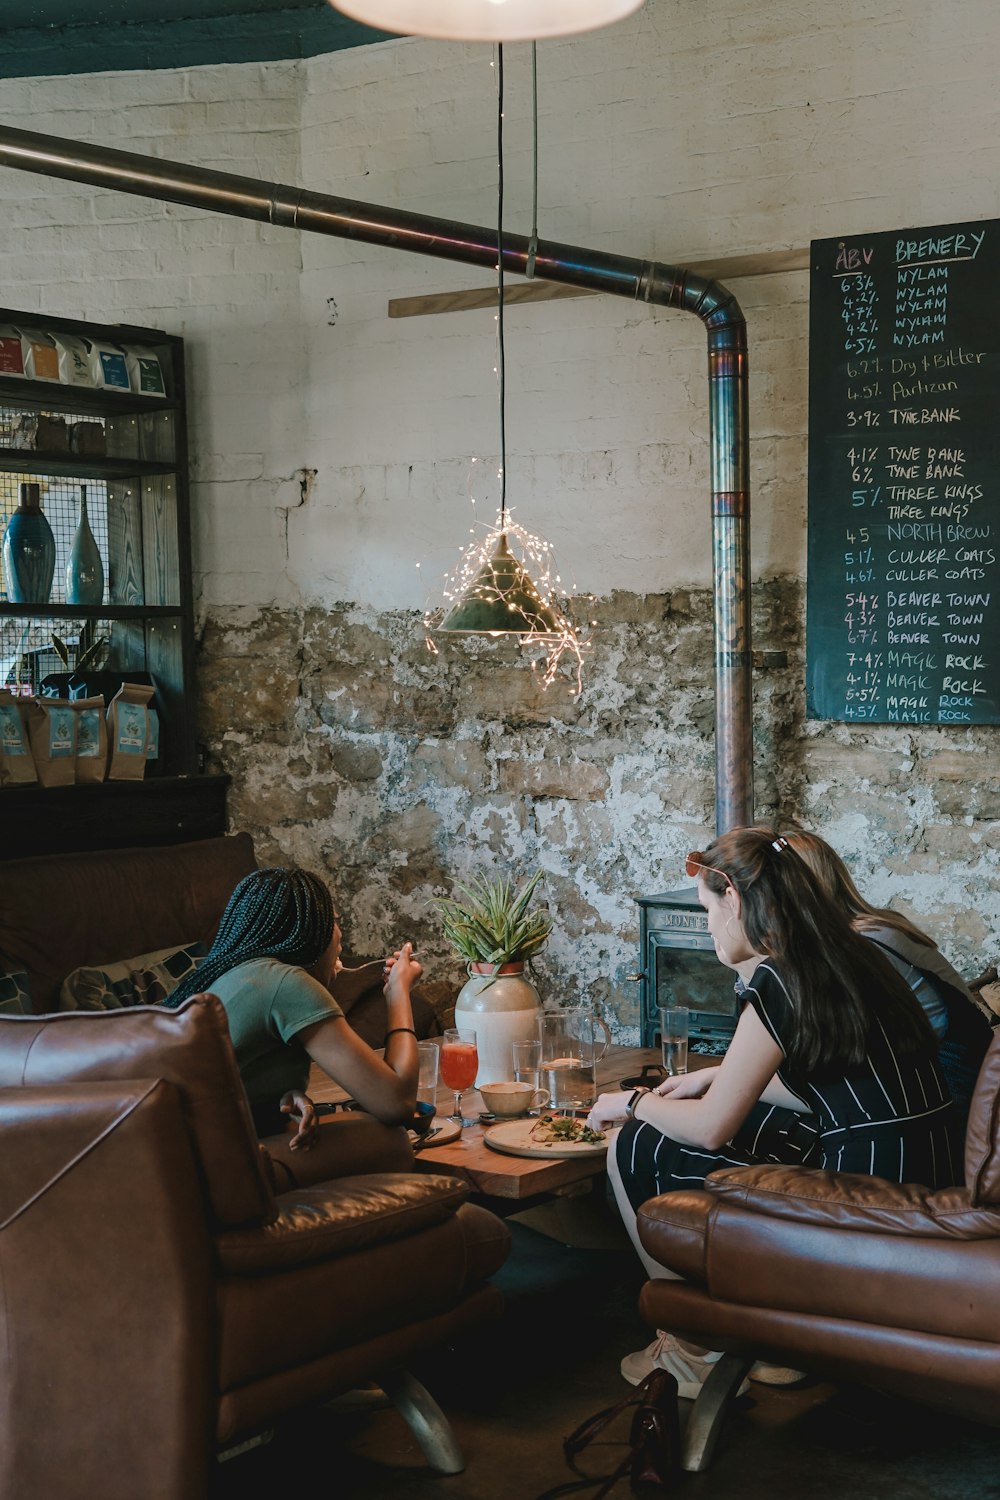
x,y
459,1064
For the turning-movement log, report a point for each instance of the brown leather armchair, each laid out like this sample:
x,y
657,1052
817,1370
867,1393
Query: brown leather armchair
x,y
159,1301
839,1275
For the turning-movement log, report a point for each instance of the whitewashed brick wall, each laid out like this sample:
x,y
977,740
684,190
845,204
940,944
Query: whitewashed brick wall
x,y
685,132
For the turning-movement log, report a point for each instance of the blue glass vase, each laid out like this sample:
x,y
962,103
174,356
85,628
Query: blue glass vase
x,y
85,570
29,551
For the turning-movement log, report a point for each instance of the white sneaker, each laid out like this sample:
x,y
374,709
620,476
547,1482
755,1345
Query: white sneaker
x,y
664,1353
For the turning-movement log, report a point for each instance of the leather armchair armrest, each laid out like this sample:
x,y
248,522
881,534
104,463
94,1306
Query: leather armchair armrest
x,y
848,1200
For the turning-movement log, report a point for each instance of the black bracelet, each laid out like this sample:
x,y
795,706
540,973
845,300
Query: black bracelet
x,y
400,1028
630,1106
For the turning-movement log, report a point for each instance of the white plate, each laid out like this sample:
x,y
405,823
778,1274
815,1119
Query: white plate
x,y
513,1138
441,1134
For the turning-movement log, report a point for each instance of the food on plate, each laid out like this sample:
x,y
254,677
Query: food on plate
x,y
561,1130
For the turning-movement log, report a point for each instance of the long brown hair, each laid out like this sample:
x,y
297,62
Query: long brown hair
x,y
835,881
837,981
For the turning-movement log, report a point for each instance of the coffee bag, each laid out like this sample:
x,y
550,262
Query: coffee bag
x,y
16,764
52,733
128,732
91,739
145,373
41,362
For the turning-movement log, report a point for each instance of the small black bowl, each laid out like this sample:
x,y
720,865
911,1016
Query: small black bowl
x,y
423,1118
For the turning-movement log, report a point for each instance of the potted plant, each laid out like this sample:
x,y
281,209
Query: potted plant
x,y
497,932
494,926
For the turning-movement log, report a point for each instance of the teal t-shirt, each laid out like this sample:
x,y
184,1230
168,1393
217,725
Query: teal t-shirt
x,y
268,1003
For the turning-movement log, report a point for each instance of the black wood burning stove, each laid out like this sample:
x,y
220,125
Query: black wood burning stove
x,y
679,967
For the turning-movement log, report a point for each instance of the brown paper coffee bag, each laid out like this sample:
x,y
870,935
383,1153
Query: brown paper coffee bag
x,y
16,764
52,732
128,731
91,739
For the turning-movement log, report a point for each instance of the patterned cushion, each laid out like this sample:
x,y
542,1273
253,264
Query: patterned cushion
x,y
146,980
15,997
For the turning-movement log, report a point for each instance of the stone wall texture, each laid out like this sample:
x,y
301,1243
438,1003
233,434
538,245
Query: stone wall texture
x,y
397,773
335,449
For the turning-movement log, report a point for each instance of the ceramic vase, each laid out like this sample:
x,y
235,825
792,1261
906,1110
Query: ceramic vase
x,y
501,1007
85,570
29,551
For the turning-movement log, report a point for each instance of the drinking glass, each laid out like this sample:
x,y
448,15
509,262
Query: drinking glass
x,y
674,1039
427,1081
459,1064
527,1059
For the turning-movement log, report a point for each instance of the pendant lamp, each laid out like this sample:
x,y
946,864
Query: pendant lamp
x,y
491,591
487,20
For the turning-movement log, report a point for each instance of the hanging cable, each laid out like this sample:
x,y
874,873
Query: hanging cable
x,y
501,372
529,269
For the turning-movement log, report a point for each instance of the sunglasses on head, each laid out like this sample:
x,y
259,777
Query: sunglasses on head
x,y
695,866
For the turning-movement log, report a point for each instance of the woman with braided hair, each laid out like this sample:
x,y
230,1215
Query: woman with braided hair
x,y
274,955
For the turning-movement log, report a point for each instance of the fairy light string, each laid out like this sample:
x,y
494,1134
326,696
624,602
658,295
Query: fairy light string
x,y
509,566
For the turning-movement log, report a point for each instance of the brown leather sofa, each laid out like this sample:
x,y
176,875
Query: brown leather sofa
x,y
159,1300
839,1275
59,912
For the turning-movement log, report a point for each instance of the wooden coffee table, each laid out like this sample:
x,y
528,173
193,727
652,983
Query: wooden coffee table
x,y
516,1178
513,1178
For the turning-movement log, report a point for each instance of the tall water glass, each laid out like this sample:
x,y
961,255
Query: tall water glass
x,y
527,1060
427,1081
674,1039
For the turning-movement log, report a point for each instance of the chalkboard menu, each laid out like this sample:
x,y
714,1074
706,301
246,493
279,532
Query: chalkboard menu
x,y
904,477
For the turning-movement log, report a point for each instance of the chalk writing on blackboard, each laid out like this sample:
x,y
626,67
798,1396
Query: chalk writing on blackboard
x,y
904,477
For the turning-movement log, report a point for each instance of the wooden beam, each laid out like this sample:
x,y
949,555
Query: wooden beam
x,y
725,268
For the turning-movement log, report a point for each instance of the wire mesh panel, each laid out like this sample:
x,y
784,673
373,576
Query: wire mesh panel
x,y
29,648
60,502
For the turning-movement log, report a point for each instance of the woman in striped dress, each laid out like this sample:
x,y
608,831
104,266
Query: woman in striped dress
x,y
832,1063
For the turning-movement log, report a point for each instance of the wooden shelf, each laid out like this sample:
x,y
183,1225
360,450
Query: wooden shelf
x,y
52,395
90,611
79,465
111,815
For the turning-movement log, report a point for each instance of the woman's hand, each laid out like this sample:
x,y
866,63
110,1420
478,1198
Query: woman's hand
x,y
299,1107
687,1085
609,1109
400,972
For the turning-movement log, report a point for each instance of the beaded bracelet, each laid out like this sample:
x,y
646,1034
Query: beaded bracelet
x,y
394,1029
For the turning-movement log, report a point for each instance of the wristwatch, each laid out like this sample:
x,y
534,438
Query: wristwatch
x,y
633,1101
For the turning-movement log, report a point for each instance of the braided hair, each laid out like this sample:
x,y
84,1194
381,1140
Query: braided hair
x,y
273,913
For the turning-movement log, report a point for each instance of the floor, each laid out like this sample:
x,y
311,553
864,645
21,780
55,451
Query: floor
x,y
518,1388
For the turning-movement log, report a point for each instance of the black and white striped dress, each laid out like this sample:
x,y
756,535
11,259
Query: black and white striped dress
x,y
891,1116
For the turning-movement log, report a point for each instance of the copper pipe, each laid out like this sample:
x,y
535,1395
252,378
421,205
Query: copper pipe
x,y
621,276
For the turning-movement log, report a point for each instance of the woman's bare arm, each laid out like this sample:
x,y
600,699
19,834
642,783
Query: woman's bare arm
x,y
386,1087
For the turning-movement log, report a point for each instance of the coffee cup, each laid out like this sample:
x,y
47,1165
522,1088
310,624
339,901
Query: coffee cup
x,y
507,1100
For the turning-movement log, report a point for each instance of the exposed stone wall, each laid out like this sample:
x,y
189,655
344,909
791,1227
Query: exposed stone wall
x,y
397,773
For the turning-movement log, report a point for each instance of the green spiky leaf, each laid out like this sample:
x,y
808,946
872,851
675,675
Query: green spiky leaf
x,y
493,924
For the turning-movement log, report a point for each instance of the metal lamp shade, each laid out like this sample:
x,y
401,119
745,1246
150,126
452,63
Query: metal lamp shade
x,y
487,20
501,600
